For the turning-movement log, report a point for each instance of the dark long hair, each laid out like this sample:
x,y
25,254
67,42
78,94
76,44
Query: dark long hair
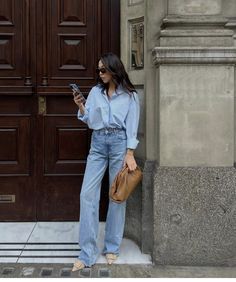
x,y
119,75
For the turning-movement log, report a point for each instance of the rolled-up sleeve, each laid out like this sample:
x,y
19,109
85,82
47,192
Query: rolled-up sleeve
x,y
84,117
132,121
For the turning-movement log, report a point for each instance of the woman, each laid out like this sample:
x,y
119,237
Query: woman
x,y
112,111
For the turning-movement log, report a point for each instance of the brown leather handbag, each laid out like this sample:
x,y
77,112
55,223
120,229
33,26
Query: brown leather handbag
x,y
124,184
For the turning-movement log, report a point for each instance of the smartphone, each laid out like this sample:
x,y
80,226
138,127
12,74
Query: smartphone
x,y
75,87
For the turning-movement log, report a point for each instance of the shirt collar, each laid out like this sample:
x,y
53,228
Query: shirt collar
x,y
119,90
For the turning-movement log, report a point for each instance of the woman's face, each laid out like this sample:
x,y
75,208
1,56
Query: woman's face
x,y
104,74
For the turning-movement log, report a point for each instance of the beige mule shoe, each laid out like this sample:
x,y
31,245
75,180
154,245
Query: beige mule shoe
x,y
111,258
78,265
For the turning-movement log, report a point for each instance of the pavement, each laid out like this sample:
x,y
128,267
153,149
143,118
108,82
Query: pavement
x,y
9,270
56,242
48,250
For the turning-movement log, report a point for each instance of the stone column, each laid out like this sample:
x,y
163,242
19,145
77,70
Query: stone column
x,y
194,190
139,212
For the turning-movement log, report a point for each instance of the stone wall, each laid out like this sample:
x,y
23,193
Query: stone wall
x,y
194,188
139,219
196,115
195,216
131,11
185,211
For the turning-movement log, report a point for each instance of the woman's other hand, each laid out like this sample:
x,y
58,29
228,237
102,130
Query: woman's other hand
x,y
130,160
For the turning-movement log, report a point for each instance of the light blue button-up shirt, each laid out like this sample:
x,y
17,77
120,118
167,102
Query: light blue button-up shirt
x,y
120,111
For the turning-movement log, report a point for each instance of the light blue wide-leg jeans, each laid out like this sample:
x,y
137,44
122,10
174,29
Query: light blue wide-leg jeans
x,y
107,147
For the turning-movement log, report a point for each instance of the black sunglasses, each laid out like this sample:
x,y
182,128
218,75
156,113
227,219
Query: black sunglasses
x,y
102,70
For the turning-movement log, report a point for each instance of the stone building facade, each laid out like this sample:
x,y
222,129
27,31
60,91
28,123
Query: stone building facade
x,y
185,211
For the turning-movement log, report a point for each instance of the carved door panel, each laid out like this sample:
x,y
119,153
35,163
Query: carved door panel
x,y
50,44
17,111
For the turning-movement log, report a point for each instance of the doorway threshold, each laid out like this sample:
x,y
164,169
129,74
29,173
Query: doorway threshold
x,y
56,242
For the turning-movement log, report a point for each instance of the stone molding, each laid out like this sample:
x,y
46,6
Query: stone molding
x,y
193,7
197,33
194,21
194,55
231,23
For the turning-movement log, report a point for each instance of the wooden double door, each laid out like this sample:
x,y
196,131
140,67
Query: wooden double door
x,y
44,46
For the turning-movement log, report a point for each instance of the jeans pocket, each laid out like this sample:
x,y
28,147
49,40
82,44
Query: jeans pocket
x,y
121,135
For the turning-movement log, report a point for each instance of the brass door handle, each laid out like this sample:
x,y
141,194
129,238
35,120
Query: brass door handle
x,y
42,107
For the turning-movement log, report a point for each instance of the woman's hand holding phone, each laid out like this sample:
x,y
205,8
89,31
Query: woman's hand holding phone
x,y
78,97
79,100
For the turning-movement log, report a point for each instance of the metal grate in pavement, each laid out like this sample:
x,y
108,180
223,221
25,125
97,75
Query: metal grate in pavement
x,y
27,271
46,272
8,270
86,273
53,270
65,272
104,273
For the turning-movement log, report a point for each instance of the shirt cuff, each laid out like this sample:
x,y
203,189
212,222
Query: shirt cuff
x,y
80,115
132,143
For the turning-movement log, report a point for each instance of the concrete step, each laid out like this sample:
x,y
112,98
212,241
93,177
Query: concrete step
x,y
55,242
